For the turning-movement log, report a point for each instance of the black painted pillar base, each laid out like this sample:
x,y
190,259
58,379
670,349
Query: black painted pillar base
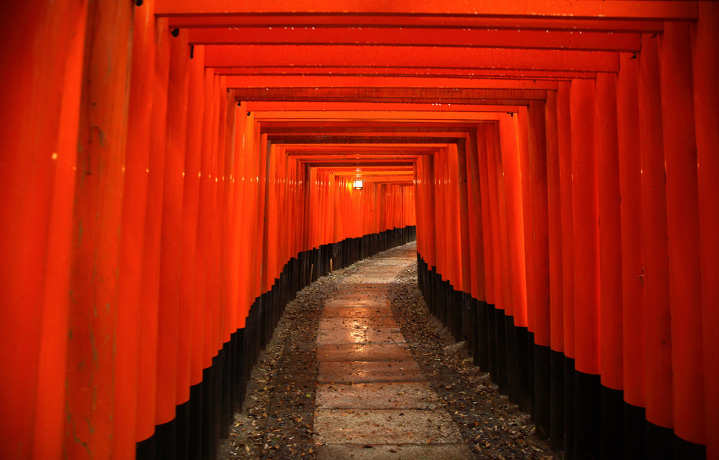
x,y
481,358
556,398
569,413
145,450
612,424
572,408
165,436
660,442
492,352
195,434
182,434
587,421
542,390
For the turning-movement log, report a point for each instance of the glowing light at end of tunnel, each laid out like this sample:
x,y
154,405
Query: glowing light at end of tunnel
x,y
357,185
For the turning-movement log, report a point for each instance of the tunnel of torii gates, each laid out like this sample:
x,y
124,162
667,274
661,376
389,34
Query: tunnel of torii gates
x,y
173,171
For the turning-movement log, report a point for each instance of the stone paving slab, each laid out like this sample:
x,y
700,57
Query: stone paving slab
x,y
356,312
383,322
335,336
363,426
372,400
369,371
366,287
377,278
394,452
358,301
363,352
395,395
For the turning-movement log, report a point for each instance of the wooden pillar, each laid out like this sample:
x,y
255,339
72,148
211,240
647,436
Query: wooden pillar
x,y
632,250
497,367
610,264
680,159
659,407
539,307
507,139
41,66
147,369
514,146
484,198
99,182
556,281
566,181
706,118
133,231
464,217
171,239
586,269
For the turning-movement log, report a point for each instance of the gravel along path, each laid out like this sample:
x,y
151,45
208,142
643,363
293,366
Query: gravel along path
x,y
359,368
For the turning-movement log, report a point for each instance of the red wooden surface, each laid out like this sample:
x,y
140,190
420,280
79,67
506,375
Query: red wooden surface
x,y
558,159
705,72
654,229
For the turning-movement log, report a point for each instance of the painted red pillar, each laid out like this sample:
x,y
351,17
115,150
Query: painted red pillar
x,y
496,364
659,406
506,139
556,275
632,249
706,117
147,368
610,260
171,231
512,179
630,175
586,268
554,226
133,231
41,66
539,306
680,159
565,422
462,191
566,181
192,324
487,230
586,236
610,263
538,233
92,334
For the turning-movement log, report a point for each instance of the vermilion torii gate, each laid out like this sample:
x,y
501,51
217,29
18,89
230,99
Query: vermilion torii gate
x,y
172,171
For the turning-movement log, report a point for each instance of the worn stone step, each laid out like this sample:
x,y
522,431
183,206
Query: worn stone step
x,y
400,426
363,352
336,336
367,322
394,452
369,371
394,395
356,312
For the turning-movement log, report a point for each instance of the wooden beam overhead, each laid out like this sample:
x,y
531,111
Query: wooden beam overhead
x,y
436,37
349,111
543,23
393,56
264,82
418,72
411,95
501,8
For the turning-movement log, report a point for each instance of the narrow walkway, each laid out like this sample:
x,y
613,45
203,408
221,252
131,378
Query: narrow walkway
x,y
359,368
372,400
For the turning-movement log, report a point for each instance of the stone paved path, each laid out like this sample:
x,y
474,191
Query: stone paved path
x,y
372,399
